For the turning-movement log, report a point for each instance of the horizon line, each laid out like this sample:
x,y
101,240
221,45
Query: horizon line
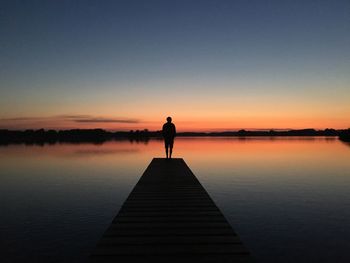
x,y
187,131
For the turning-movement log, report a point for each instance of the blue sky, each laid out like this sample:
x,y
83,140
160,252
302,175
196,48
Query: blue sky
x,y
225,63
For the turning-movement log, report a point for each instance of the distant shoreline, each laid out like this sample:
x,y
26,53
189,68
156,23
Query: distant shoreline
x,y
42,136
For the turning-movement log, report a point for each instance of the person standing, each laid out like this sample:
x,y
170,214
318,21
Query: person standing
x,y
169,133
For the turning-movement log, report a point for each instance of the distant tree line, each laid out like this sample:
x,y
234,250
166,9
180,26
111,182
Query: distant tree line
x,y
42,136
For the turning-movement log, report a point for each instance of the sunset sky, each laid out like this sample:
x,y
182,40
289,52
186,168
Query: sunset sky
x,y
211,65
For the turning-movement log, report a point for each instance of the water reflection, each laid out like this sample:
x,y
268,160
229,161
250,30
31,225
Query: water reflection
x,y
286,197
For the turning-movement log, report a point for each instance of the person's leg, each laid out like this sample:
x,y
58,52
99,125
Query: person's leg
x,y
166,148
171,148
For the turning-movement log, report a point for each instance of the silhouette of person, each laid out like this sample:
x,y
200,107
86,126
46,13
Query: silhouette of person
x,y
169,133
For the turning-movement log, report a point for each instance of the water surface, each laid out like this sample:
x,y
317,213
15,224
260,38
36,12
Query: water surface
x,y
288,198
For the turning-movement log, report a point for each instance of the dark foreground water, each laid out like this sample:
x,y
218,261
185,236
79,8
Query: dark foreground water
x,y
288,198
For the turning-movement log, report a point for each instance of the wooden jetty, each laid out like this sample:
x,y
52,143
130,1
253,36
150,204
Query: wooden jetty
x,y
169,217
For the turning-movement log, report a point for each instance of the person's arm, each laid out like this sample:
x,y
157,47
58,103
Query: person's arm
x,y
174,131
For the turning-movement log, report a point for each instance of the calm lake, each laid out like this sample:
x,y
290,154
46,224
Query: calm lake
x,y
288,198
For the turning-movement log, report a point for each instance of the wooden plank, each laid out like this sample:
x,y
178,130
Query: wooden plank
x,y
206,258
169,217
170,213
174,219
167,231
169,240
171,250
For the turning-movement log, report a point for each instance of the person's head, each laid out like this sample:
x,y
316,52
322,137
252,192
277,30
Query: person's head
x,y
168,119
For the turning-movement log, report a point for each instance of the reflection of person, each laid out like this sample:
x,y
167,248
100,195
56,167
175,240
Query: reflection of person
x,y
169,133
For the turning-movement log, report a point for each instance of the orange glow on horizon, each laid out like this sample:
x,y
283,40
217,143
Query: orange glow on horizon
x,y
183,125
211,118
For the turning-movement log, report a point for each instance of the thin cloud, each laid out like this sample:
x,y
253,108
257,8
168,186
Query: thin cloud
x,y
21,119
73,116
105,120
78,118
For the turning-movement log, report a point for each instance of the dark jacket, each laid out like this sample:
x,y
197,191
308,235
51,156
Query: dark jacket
x,y
169,130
